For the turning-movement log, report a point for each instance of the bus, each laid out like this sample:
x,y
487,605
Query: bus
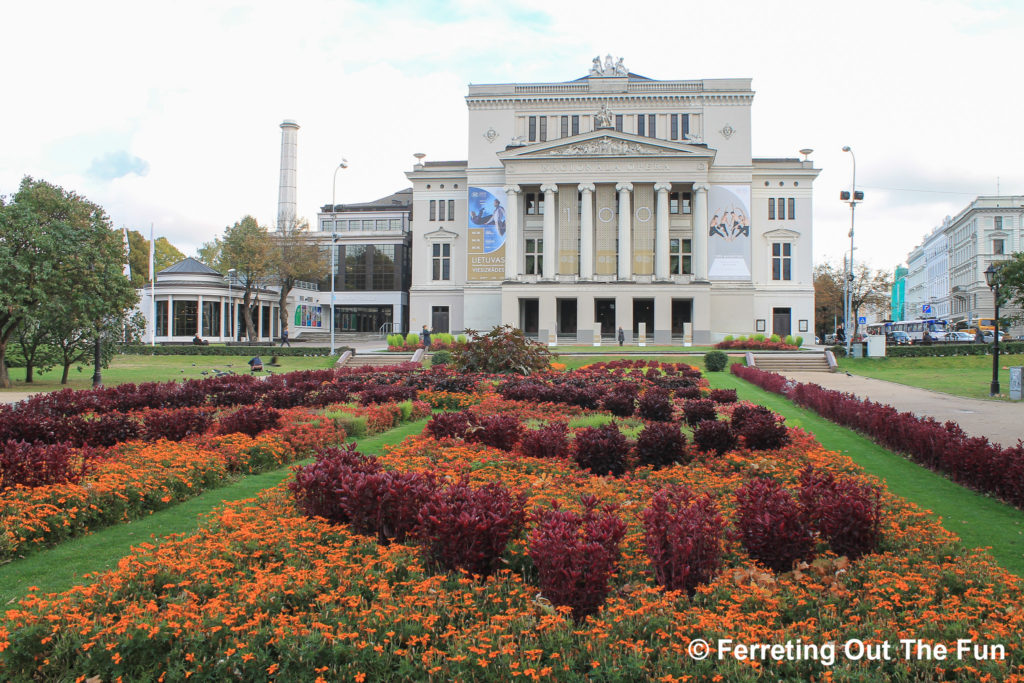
x,y
915,329
884,327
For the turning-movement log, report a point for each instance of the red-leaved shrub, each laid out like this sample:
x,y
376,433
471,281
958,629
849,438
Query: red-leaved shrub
x,y
655,404
496,431
723,395
687,393
175,424
386,503
772,525
621,400
575,555
697,410
683,537
249,420
661,444
845,512
449,425
547,442
714,436
461,527
602,450
386,394
321,488
744,410
37,464
762,431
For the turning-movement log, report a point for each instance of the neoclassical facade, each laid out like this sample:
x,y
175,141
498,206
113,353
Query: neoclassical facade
x,y
611,201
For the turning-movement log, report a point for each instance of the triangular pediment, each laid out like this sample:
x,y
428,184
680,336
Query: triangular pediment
x,y
606,142
440,234
781,234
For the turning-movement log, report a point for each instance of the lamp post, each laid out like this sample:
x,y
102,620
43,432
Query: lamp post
x,y
231,305
334,244
851,197
992,280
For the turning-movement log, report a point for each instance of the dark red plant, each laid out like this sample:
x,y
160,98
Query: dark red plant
x,y
322,488
496,431
714,436
249,420
655,404
175,424
449,425
845,512
772,525
761,431
683,537
699,410
602,450
661,444
547,442
723,395
621,400
36,464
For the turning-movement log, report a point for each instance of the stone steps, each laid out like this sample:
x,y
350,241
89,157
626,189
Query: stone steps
x,y
379,359
786,364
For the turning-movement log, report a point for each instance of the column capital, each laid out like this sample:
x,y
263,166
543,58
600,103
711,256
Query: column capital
x,y
624,187
549,187
662,187
586,187
701,187
512,189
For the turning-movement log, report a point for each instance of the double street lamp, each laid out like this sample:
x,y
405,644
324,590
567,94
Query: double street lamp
x,y
334,244
992,280
851,197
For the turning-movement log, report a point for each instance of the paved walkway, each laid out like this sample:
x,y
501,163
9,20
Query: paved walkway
x,y
1001,422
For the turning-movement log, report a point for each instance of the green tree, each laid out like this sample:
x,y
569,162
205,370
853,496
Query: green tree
x,y
871,289
828,298
296,256
35,349
164,256
1011,288
210,254
247,248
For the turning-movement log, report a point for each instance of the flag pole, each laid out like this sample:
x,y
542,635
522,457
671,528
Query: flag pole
x,y
152,285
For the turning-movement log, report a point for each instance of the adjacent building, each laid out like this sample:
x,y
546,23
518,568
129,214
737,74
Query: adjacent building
x,y
899,294
613,201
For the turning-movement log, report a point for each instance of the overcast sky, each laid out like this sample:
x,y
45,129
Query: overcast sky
x,y
168,113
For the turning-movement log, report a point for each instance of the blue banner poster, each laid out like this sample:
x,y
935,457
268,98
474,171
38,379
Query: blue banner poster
x,y
486,228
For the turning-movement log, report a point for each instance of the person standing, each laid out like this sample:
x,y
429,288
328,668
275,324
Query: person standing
x,y
979,338
425,338
284,337
622,335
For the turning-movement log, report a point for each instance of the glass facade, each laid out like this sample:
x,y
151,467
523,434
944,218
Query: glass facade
x,y
186,318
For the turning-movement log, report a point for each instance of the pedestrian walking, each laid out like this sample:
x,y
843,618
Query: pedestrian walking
x,y
622,336
425,338
284,337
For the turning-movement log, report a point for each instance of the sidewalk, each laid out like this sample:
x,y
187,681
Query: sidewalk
x,y
1001,422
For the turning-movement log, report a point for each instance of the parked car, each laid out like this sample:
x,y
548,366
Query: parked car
x,y
960,337
990,336
899,338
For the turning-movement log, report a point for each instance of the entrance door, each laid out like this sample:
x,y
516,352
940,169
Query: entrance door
x,y
529,316
439,319
567,316
781,324
682,315
643,312
604,313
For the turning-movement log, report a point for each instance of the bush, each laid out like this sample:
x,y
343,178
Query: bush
x,y
661,444
698,410
621,400
449,425
798,342
715,361
763,431
547,442
249,420
712,436
37,464
688,393
683,537
175,424
496,431
441,357
575,555
772,525
503,350
655,404
412,339
744,410
468,528
602,450
776,338
386,394
321,489
845,512
723,395
789,340
386,503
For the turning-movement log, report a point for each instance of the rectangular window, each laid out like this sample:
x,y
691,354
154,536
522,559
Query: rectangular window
x,y
383,267
781,260
565,127
618,122
382,224
433,210
211,318
674,126
532,137
396,223
792,208
185,318
161,318
575,124
326,226
686,202
339,226
534,262
368,225
451,209
641,125
781,203
442,257
673,202
440,210
543,136
355,270
997,222
684,119
679,257
651,130
997,247
771,208
540,203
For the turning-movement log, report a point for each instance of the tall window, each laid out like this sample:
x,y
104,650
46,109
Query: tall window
x,y
997,247
781,204
535,203
532,136
442,260
680,257
771,208
673,124
440,210
679,202
186,314
543,136
383,267
641,124
161,318
781,260
433,210
792,208
575,124
997,222
534,256
651,131
684,120
565,127
354,263
211,318
451,209
618,122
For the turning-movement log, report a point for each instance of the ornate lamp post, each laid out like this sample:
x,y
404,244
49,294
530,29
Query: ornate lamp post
x,y
851,197
334,245
992,280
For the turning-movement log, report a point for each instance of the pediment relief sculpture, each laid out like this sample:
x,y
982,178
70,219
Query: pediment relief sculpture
x,y
605,146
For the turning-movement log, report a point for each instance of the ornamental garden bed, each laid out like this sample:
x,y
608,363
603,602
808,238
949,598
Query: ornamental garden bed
x,y
589,525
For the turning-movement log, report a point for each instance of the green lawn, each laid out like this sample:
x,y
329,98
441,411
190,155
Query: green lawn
x,y
159,369
968,376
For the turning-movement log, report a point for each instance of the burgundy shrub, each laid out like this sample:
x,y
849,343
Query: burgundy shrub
x,y
547,442
763,432
772,525
713,436
461,527
175,424
449,425
496,431
602,450
655,404
768,381
744,410
723,395
661,444
683,536
688,393
249,420
576,555
698,410
37,464
109,429
386,394
846,512
385,503
321,488
621,400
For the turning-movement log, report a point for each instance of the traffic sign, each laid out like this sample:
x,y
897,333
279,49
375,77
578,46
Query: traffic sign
x,y
926,308
861,320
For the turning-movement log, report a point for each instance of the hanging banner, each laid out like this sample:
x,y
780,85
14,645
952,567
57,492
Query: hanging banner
x,y
486,229
308,316
729,232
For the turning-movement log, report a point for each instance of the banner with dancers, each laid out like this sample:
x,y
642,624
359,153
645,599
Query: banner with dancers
x,y
729,232
486,227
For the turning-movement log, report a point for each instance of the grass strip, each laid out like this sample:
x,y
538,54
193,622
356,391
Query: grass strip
x,y
979,520
61,567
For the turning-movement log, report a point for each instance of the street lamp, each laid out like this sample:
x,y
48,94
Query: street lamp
x,y
851,197
231,305
992,280
334,244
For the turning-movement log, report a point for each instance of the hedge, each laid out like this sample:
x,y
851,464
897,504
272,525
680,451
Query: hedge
x,y
920,351
192,350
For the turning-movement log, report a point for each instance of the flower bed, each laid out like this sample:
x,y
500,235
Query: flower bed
x,y
265,592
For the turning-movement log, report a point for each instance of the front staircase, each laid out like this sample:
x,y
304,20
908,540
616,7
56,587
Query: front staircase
x,y
784,364
362,360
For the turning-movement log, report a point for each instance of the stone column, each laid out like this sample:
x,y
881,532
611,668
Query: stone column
x,y
587,232
550,236
512,233
170,316
199,316
625,231
661,244
700,231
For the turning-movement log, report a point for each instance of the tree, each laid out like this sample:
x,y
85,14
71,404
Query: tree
x,y
871,289
246,247
33,343
210,253
296,256
165,255
1011,288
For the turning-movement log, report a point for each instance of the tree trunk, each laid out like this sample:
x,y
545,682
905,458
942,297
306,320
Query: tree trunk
x,y
28,371
5,380
64,375
286,289
250,329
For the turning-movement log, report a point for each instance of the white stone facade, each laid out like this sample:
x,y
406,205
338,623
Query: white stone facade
x,y
607,202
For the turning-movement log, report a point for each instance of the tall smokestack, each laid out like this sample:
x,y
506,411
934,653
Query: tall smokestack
x,y
286,198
